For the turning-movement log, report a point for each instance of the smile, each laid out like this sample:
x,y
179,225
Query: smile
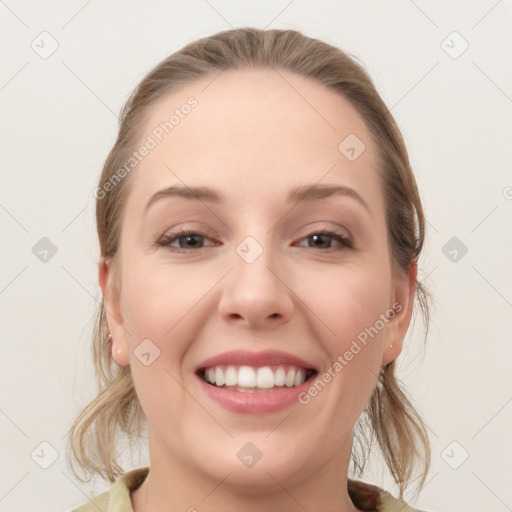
x,y
252,379
247,382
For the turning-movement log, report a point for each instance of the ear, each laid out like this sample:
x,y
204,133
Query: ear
x,y
111,300
402,304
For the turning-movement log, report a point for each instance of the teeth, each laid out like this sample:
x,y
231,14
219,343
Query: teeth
x,y
299,378
246,377
231,376
219,376
279,377
290,378
265,377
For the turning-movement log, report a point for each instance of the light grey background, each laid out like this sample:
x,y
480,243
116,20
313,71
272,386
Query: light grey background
x,y
58,122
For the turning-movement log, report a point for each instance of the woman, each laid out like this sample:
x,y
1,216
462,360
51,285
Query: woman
x,y
260,229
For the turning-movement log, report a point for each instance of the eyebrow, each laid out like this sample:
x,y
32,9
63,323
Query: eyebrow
x,y
295,195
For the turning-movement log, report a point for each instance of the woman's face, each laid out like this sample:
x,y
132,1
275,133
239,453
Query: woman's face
x,y
256,284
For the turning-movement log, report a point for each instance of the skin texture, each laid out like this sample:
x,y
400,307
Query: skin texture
x,y
253,136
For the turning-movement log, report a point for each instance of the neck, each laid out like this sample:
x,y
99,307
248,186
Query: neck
x,y
173,484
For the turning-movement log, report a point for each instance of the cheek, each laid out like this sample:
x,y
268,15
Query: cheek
x,y
352,304
350,300
164,311
157,297
158,310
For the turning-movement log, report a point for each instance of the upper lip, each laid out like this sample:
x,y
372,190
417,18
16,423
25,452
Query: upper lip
x,y
262,358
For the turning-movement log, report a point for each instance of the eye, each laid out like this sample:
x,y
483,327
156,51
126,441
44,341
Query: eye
x,y
189,240
186,240
322,239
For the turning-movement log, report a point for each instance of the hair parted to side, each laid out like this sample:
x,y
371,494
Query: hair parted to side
x,y
389,416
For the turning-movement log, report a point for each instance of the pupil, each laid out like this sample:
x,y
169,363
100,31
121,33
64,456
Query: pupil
x,y
317,237
192,238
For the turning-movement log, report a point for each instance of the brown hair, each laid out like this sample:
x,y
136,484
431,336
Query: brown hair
x,y
389,416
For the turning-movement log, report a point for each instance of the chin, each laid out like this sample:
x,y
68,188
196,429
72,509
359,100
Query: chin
x,y
252,471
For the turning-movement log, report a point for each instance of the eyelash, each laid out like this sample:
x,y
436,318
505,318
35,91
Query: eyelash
x,y
166,240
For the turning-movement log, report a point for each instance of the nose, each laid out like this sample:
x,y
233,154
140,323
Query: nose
x,y
256,294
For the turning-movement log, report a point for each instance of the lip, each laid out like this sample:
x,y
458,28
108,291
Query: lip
x,y
256,359
260,402
254,403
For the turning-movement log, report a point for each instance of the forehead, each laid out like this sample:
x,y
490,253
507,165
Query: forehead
x,y
254,130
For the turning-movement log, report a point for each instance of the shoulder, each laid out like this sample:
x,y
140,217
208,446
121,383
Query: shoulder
x,y
369,497
117,498
99,503
391,504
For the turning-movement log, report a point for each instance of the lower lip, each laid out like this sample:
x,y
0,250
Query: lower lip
x,y
254,403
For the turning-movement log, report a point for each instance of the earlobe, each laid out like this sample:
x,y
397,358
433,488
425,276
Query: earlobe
x,y
111,303
396,329
391,352
120,353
